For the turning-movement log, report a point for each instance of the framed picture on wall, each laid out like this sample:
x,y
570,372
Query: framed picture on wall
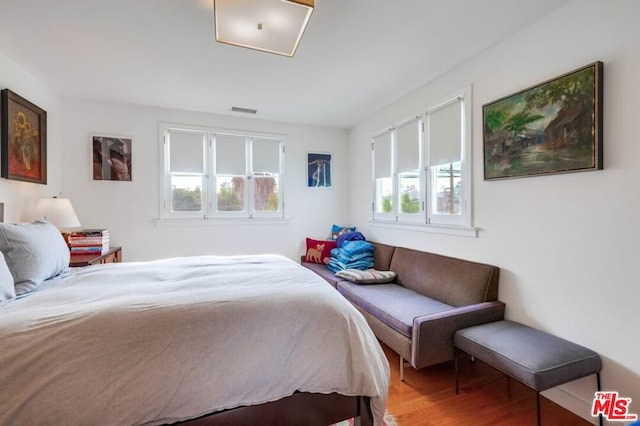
x,y
318,170
111,158
553,127
23,134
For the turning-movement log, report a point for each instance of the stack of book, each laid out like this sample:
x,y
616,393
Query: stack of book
x,y
88,242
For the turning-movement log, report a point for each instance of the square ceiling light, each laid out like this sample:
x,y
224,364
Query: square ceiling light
x,y
274,26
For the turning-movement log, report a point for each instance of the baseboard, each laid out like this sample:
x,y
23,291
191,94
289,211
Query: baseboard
x,y
571,402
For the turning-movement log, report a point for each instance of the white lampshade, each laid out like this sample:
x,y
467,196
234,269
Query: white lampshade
x,y
59,212
274,26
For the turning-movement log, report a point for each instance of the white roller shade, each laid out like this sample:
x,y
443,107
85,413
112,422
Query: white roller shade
x,y
382,155
444,138
408,146
186,151
266,155
230,155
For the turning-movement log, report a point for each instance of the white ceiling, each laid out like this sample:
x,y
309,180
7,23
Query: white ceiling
x,y
355,57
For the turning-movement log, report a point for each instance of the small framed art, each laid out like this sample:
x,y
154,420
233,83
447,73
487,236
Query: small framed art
x,y
318,170
23,134
111,158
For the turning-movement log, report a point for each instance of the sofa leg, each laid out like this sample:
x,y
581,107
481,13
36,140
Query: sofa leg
x,y
401,369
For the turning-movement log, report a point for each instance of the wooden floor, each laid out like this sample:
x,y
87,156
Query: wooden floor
x,y
427,397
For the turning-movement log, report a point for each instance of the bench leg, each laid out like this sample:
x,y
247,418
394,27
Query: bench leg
x,y
455,366
538,407
401,369
600,421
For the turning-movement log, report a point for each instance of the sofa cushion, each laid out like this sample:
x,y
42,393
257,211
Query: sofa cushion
x,y
456,282
395,305
382,254
322,270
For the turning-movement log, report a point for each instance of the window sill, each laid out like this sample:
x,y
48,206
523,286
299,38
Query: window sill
x,y
170,222
461,231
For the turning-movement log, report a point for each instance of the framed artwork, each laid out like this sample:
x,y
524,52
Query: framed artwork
x,y
111,158
318,170
553,127
23,134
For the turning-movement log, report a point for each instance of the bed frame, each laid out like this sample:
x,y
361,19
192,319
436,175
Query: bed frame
x,y
301,408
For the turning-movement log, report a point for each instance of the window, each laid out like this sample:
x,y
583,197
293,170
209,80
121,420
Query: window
x,y
421,169
214,174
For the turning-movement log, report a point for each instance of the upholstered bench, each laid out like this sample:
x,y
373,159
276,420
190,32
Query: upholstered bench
x,y
537,359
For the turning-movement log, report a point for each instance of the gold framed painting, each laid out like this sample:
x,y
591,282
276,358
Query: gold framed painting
x,y
553,127
23,134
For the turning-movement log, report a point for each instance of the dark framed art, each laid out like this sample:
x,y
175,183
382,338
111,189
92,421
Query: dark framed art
x,y
111,158
553,127
318,170
23,134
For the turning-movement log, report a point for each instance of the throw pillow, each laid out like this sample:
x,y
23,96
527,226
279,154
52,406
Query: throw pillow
x,y
34,253
319,251
7,291
369,276
336,230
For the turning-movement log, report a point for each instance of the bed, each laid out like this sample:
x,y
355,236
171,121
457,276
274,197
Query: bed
x,y
204,340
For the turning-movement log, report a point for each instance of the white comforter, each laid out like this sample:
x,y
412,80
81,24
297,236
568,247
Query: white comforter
x,y
157,342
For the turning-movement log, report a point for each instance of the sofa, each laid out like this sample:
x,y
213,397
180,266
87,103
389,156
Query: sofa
x,y
431,297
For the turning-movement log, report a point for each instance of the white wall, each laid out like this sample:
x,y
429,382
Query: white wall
x,y
19,198
567,244
127,209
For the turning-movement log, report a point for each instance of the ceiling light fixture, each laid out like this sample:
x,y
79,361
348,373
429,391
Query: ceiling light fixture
x,y
274,26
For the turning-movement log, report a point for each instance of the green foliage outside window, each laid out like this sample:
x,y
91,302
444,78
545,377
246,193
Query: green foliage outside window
x,y
186,200
229,198
409,205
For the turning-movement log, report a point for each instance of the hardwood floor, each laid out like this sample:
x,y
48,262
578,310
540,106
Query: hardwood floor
x,y
427,397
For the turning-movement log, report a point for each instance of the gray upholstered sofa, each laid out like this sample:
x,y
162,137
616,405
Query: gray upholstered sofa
x,y
431,298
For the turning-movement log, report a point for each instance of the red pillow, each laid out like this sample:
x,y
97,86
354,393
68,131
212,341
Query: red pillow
x,y
319,251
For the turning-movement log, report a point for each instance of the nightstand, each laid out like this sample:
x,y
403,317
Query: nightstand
x,y
114,255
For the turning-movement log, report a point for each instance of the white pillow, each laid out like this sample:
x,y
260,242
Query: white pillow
x,y
369,276
7,291
34,252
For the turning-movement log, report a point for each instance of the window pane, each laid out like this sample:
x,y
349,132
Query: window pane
x,y
265,196
186,193
384,195
266,155
186,151
408,146
409,192
230,193
230,155
448,188
382,155
445,133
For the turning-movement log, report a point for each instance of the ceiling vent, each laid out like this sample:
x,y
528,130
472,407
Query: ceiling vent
x,y
245,110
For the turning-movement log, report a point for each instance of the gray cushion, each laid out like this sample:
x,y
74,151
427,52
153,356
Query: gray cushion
x,y
7,290
535,358
322,270
368,276
395,305
34,252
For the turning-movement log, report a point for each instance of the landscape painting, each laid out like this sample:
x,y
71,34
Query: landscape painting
x,y
554,127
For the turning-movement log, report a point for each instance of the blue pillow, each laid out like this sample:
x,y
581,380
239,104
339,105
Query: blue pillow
x,y
34,253
336,230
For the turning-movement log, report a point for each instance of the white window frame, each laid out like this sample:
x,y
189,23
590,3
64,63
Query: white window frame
x,y
459,224
209,187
